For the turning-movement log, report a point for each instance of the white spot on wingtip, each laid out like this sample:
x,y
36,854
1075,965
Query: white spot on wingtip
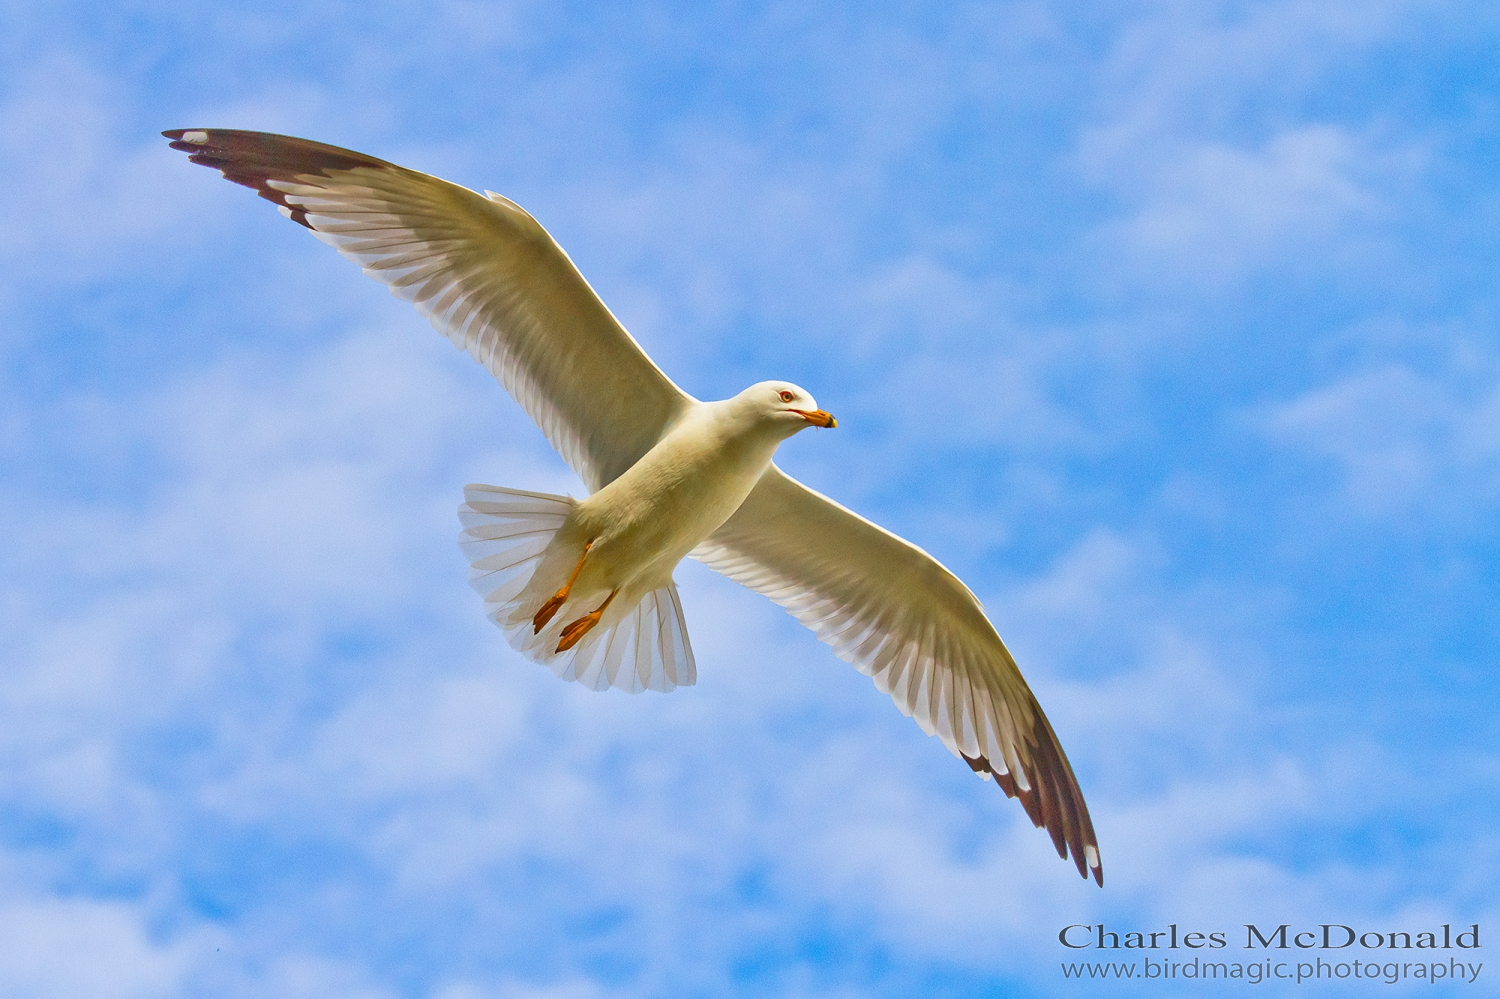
x,y
1091,857
283,209
196,138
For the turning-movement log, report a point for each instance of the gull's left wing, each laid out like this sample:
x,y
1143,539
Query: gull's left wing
x,y
900,617
484,272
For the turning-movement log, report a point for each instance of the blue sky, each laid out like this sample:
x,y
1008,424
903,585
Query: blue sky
x,y
1170,327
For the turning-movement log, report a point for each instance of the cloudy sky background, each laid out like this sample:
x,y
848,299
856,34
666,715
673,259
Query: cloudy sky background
x,y
1170,327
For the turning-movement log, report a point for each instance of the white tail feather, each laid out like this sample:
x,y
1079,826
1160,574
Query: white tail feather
x,y
638,648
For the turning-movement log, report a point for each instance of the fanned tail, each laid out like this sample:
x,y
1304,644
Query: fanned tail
x,y
506,532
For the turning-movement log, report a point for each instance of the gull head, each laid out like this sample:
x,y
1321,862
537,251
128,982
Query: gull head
x,y
781,405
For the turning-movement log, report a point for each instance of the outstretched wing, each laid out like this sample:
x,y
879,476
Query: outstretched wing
x,y
485,273
900,617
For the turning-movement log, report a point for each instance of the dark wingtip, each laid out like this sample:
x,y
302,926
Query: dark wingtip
x,y
254,159
1053,801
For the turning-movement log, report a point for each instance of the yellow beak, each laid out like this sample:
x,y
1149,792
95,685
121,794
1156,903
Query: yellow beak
x,y
817,417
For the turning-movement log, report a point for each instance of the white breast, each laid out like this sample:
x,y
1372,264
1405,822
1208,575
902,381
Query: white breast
x,y
679,493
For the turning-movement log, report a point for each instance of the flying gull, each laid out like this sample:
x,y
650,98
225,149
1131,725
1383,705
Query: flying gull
x,y
585,586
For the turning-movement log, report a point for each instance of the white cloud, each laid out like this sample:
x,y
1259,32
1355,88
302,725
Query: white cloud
x,y
578,988
294,976
85,201
59,948
1401,440
1210,212
1214,183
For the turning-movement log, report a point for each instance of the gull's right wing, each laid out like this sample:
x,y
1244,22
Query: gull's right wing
x,y
485,273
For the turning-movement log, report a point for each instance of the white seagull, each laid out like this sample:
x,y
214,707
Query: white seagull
x,y
585,586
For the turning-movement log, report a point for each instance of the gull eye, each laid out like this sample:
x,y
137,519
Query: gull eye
x,y
786,396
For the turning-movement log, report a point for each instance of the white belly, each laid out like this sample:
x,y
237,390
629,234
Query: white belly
x,y
645,522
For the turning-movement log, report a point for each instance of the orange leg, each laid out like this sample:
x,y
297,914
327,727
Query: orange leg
x,y
560,597
573,632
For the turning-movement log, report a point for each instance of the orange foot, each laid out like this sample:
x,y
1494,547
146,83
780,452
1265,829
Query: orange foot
x,y
575,631
560,597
